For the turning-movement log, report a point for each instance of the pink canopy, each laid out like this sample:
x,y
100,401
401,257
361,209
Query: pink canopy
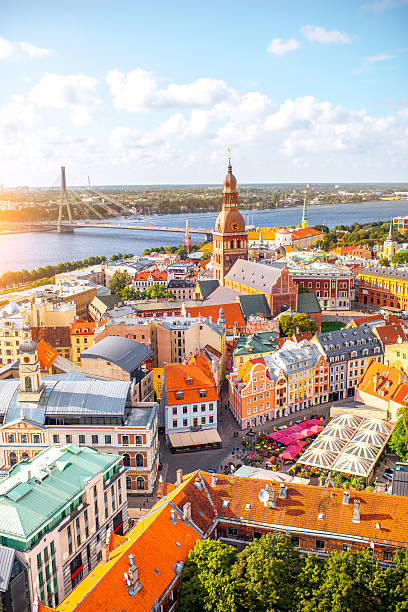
x,y
275,435
286,440
290,453
299,443
316,429
313,422
300,435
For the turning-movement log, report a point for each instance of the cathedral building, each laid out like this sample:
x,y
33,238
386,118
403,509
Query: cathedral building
x,y
230,241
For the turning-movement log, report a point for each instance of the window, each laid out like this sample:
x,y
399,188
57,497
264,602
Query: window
x,y
10,438
175,411
319,545
202,407
23,438
203,392
94,439
39,560
78,532
232,531
126,460
138,440
387,555
125,440
139,460
203,420
140,483
211,419
108,440
128,482
81,439
195,422
195,408
346,547
295,541
184,409
175,423
185,422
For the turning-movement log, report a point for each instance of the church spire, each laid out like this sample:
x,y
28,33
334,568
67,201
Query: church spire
x,y
187,239
391,232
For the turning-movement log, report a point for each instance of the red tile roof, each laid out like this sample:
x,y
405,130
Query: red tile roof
x,y
155,274
390,334
80,327
305,233
46,354
176,376
381,381
232,312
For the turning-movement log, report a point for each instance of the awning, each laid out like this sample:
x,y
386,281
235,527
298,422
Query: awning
x,y
194,438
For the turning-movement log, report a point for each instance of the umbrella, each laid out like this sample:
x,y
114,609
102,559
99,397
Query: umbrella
x,y
286,440
300,435
275,435
296,428
272,460
299,443
312,422
316,429
290,453
308,432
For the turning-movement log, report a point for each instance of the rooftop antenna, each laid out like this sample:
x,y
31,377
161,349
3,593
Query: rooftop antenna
x,y
63,198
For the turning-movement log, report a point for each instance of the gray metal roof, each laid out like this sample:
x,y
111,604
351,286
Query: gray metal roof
x,y
6,566
253,274
308,302
207,286
343,342
66,394
125,353
400,273
255,305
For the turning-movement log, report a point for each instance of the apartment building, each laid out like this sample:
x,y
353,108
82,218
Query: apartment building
x,y
82,337
189,400
236,510
37,410
348,352
70,498
333,285
182,289
94,274
287,381
384,287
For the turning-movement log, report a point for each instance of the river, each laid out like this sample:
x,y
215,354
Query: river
x,y
32,250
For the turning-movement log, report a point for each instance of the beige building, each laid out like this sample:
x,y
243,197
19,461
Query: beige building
x,y
396,355
13,332
94,274
48,314
73,500
36,411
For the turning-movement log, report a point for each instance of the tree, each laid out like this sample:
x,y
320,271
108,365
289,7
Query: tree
x,y
119,281
299,322
265,574
309,579
346,584
399,438
384,262
400,257
322,228
390,586
206,580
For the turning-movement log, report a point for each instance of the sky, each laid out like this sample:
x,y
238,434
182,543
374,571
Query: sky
x,y
136,92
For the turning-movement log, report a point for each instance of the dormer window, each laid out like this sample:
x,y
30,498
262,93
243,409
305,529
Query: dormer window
x,y
203,392
179,395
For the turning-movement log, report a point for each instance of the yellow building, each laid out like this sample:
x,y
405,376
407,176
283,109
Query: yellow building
x,y
396,355
158,377
384,287
82,337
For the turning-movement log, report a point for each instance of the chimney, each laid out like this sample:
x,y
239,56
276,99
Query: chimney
x,y
283,491
173,516
213,480
356,511
187,512
346,497
105,552
133,575
179,475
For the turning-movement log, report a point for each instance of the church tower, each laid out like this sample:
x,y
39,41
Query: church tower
x,y
187,239
30,389
230,239
390,244
304,216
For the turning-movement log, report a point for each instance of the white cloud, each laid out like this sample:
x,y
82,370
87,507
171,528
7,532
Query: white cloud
x,y
372,59
138,91
73,92
323,36
279,46
383,5
10,49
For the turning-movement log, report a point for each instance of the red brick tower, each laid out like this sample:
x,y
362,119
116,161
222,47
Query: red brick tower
x,y
230,239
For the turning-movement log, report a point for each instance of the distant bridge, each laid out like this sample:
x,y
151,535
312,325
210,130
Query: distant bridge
x,y
66,227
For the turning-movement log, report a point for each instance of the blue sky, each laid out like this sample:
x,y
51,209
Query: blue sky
x,y
155,92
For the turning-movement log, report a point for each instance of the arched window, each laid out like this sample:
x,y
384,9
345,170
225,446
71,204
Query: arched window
x,y
128,482
126,459
141,483
13,458
28,383
139,460
138,440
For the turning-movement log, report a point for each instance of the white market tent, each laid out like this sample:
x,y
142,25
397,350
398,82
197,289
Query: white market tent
x,y
349,444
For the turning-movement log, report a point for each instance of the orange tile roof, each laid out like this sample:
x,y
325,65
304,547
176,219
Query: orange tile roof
x,y
381,381
390,334
305,233
232,313
157,544
46,354
176,381
268,233
83,328
303,504
156,274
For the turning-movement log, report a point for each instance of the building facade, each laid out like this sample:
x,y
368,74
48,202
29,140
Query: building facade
x,y
82,337
333,286
384,287
70,498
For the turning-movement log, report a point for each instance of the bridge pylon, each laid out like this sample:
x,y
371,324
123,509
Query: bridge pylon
x,y
64,201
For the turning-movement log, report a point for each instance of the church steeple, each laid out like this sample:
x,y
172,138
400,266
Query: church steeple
x,y
230,241
304,216
391,232
30,389
187,239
